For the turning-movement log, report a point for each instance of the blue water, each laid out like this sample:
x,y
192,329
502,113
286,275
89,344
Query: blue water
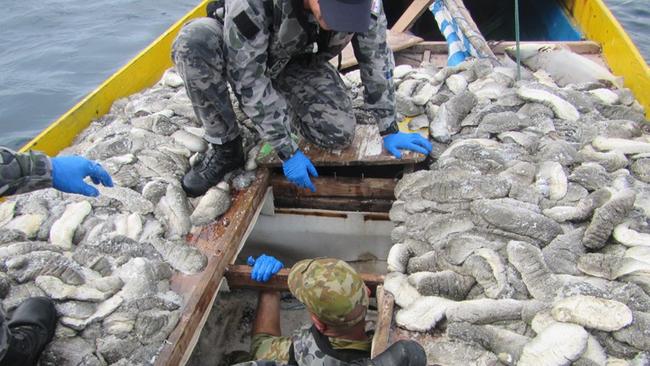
x,y
55,52
634,15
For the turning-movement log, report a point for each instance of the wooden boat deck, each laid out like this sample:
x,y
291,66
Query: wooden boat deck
x,y
222,240
366,149
435,53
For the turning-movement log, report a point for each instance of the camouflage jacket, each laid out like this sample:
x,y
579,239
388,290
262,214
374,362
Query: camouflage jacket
x,y
262,36
20,173
311,348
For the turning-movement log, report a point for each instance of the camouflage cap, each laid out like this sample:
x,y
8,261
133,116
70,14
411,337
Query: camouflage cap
x,y
331,290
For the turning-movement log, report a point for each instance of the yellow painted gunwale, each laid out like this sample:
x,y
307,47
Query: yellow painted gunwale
x,y
621,55
141,72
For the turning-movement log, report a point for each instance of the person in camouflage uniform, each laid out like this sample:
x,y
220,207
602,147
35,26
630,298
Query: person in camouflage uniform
x,y
32,324
337,299
275,56
26,172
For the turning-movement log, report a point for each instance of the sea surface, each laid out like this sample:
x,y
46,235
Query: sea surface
x,y
55,52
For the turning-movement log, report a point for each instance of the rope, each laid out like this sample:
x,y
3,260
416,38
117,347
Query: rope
x,y
517,39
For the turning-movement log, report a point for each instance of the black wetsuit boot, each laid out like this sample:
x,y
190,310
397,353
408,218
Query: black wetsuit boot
x,y
219,160
400,353
31,328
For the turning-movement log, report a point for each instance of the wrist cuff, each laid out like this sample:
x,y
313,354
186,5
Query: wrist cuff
x,y
285,155
393,128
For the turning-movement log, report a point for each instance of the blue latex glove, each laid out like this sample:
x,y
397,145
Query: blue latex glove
x,y
409,141
264,267
68,173
297,170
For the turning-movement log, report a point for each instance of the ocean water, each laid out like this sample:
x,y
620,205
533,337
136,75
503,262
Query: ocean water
x,y
634,15
55,52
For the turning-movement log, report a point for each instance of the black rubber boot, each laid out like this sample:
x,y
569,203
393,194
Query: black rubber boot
x,y
400,353
31,328
219,160
214,9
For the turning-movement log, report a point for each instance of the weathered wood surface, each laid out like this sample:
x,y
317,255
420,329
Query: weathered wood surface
x,y
581,47
397,41
366,149
385,305
219,241
343,193
369,216
412,13
335,203
415,56
239,276
337,187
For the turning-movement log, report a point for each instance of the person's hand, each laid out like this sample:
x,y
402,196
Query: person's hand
x,y
264,267
68,173
409,141
297,170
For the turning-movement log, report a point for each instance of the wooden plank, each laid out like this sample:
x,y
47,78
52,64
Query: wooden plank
x,y
412,13
370,216
426,57
366,149
440,59
219,242
239,276
397,41
335,203
337,187
385,305
581,47
268,194
413,58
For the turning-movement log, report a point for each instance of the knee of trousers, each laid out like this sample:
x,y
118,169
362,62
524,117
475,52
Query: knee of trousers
x,y
197,37
335,137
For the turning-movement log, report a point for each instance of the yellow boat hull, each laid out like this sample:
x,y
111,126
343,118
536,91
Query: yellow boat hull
x,y
621,55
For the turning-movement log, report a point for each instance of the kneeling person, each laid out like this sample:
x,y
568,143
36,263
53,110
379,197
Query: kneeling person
x,y
337,299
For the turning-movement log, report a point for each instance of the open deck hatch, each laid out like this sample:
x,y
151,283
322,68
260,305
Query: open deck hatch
x,y
346,218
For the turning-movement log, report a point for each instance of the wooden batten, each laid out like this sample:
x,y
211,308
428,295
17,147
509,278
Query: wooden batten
x,y
412,13
239,276
396,42
352,187
581,47
385,305
219,241
341,194
435,53
334,203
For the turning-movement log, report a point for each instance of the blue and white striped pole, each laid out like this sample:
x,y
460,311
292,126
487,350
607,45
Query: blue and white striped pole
x,y
459,47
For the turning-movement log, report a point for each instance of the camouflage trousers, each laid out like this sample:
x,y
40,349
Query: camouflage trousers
x,y
320,106
4,334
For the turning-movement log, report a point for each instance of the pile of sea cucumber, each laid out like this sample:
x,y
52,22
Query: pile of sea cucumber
x,y
107,261
527,241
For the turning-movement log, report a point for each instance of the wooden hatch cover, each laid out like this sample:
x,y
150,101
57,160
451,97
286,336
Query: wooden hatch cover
x,y
366,149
